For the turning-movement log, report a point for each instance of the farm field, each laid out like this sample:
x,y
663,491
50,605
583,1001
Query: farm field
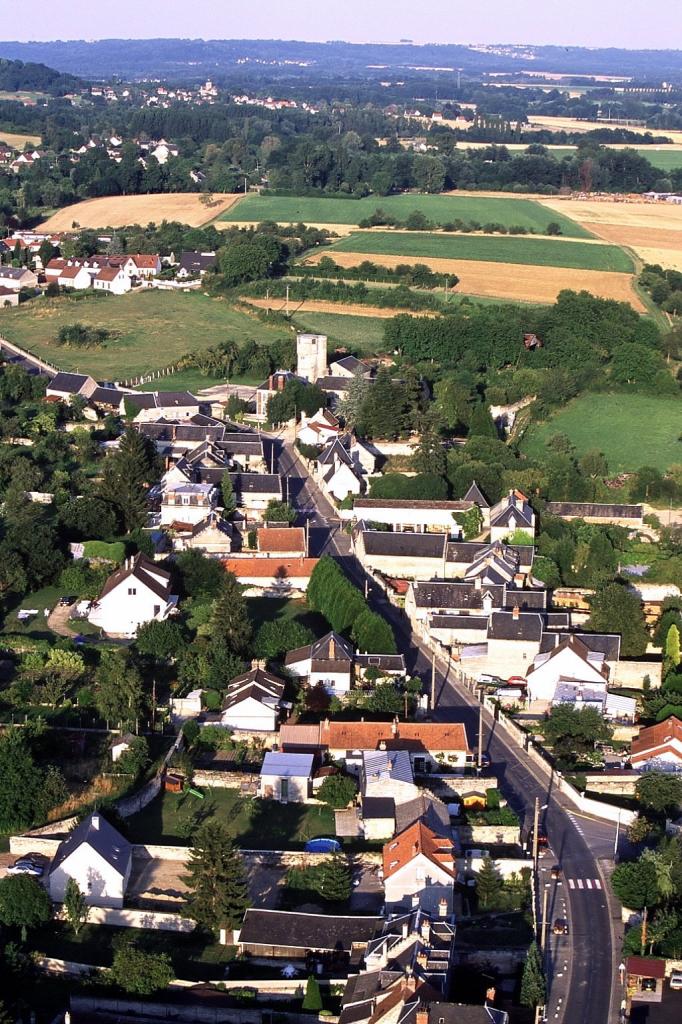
x,y
119,211
665,157
631,430
511,281
438,208
153,329
17,139
491,249
652,230
360,333
572,124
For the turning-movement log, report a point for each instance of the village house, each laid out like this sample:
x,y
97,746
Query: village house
x,y
8,297
512,513
290,935
336,472
332,662
254,701
318,429
658,747
275,576
98,858
213,535
571,659
173,440
412,516
268,389
349,366
187,504
67,385
143,265
431,745
136,593
286,777
419,867
113,280
387,774
195,264
253,492
77,278
150,406
275,540
16,278
244,451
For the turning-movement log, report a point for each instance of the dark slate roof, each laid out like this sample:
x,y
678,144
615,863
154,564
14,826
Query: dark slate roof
x,y
256,483
459,622
468,551
418,504
426,808
503,626
307,931
140,567
607,644
107,396
384,662
455,594
459,1013
558,620
166,399
476,495
165,431
102,837
594,510
378,807
352,364
193,262
404,545
70,383
335,452
526,599
334,383
142,400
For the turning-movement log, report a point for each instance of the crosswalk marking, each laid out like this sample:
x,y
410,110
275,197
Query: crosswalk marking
x,y
584,884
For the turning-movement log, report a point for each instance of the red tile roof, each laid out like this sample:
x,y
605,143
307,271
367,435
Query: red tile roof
x,y
645,967
280,539
413,736
415,840
145,260
268,568
657,738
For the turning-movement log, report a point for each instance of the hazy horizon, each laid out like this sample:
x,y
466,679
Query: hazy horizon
x,y
619,23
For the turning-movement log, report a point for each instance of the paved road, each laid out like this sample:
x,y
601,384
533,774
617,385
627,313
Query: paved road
x,y
576,842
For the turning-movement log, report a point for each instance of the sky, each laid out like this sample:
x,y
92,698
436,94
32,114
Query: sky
x,y
618,23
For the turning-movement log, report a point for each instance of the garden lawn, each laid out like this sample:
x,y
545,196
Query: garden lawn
x,y
37,625
254,824
440,209
631,430
152,329
544,252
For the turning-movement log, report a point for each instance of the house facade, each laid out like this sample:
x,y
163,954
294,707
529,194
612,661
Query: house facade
x,y
136,593
419,869
254,701
286,777
98,858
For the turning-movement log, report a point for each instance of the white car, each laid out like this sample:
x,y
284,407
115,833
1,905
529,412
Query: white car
x,y
25,867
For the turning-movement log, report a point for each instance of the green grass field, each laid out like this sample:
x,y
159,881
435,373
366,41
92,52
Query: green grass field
x,y
361,333
631,430
439,209
664,159
152,328
544,252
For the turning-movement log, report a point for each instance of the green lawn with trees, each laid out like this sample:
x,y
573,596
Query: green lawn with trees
x,y
542,252
149,330
631,430
440,209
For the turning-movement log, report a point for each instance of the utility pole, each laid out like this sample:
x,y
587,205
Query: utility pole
x,y
615,841
287,303
433,682
366,588
245,185
307,537
272,457
645,918
480,737
405,696
536,826
543,940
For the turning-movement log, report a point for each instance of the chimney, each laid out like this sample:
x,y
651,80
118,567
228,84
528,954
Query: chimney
x,y
422,1014
477,583
422,960
518,580
426,930
94,821
394,727
410,980
405,929
415,901
442,907
515,613
332,648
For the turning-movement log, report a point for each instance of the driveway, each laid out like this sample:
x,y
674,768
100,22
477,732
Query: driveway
x,y
58,620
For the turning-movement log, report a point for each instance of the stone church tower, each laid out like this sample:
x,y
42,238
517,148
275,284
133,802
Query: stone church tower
x,y
311,356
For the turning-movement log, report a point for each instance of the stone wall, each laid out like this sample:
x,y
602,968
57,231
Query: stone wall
x,y
489,835
152,920
632,673
89,1007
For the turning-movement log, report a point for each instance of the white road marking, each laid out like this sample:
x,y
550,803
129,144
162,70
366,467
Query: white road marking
x,y
571,883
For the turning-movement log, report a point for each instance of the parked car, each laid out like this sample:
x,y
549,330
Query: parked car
x,y
560,926
65,601
486,679
556,871
676,979
485,760
25,867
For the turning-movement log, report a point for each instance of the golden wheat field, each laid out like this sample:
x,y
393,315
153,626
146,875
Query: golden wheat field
x,y
18,141
652,230
193,208
511,281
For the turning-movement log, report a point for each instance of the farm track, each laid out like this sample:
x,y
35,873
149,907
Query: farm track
x,y
343,308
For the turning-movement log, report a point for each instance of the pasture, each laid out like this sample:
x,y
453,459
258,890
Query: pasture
x,y
440,209
631,430
151,329
665,157
492,249
510,281
361,334
18,140
192,208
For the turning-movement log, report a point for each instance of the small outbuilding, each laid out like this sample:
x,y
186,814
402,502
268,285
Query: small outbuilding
x,y
286,777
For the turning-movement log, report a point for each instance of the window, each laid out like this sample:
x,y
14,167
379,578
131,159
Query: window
x,y
157,609
132,591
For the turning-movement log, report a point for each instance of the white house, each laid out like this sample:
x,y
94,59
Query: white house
x,y
187,503
286,777
136,593
142,265
512,513
387,774
67,385
120,745
214,535
318,429
254,701
113,280
76,277
419,866
337,473
658,747
274,576
328,661
151,406
571,659
98,858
